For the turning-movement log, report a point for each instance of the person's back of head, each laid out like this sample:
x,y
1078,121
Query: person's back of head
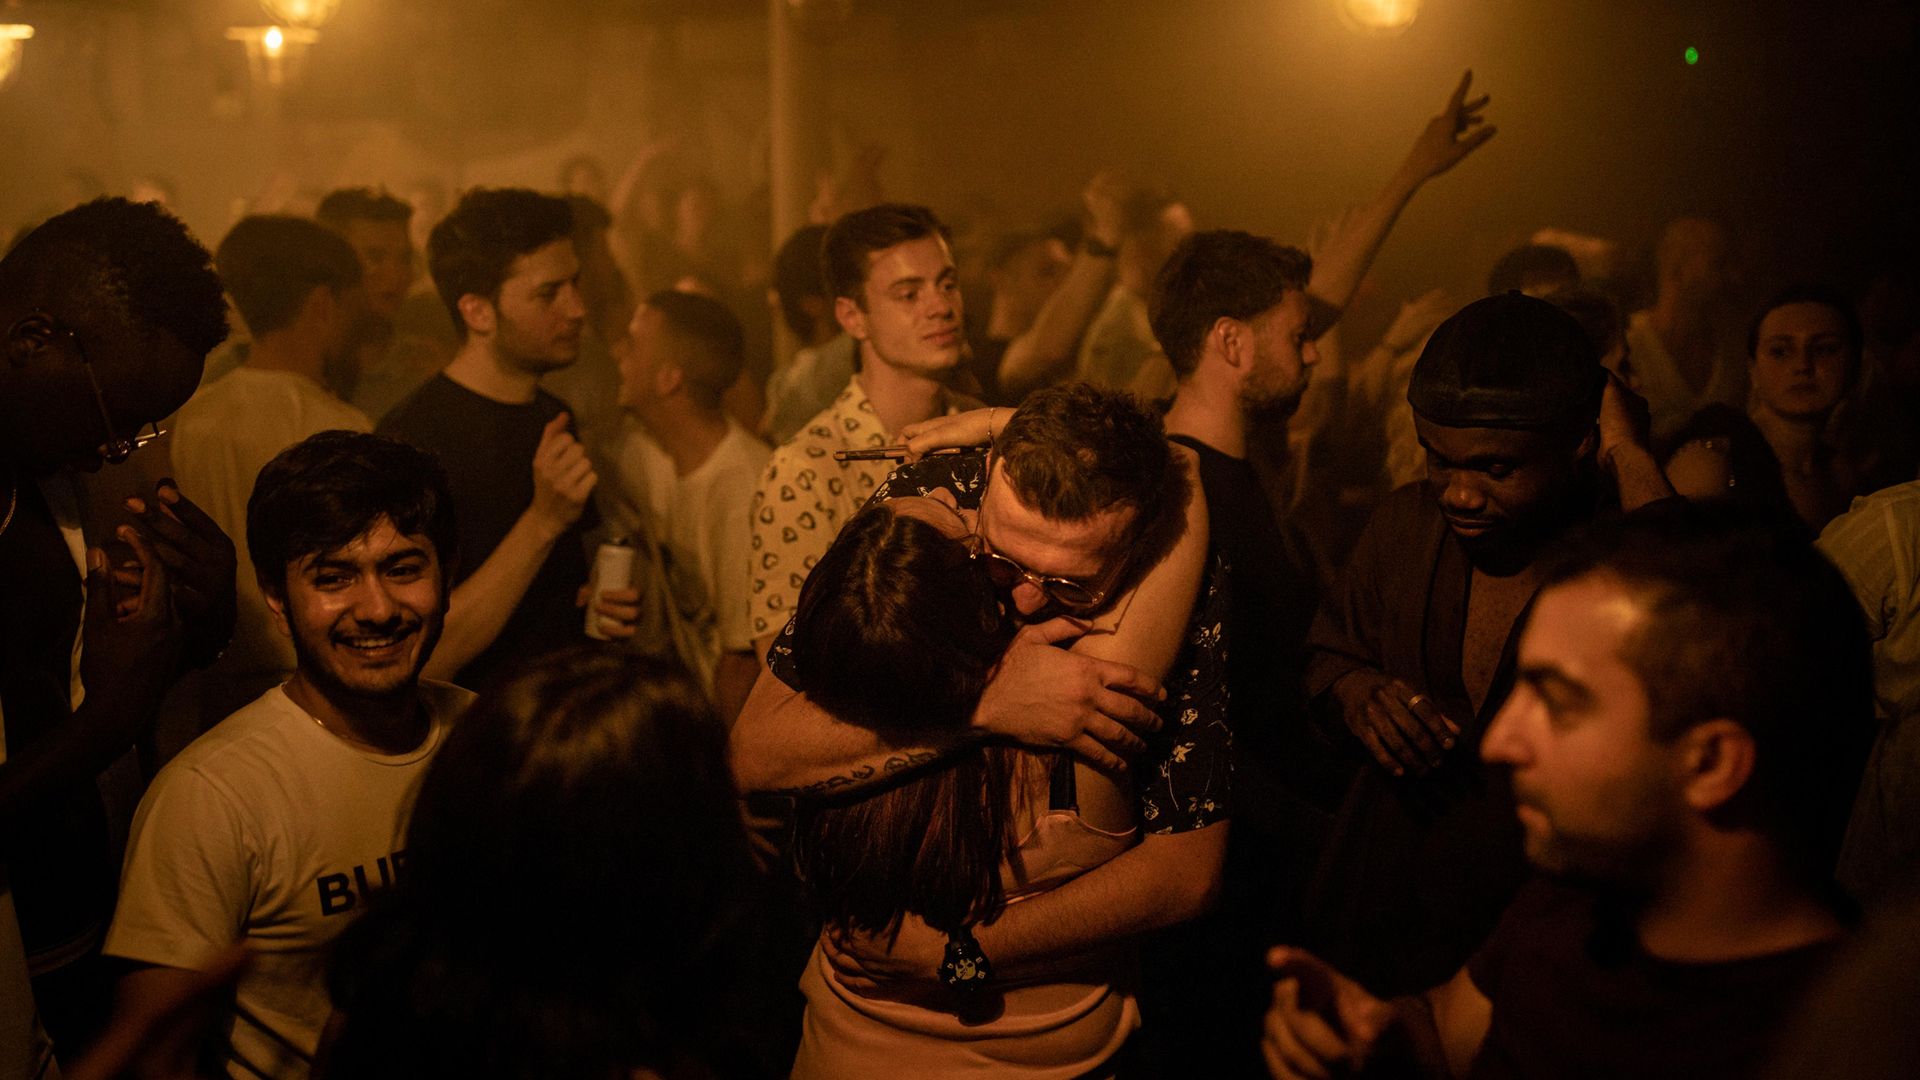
x,y
343,206
798,277
1746,621
329,489
140,298
575,893
472,250
271,264
710,345
1534,269
1214,275
847,249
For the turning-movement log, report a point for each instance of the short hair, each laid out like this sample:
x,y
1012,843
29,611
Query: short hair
x,y
798,274
1529,263
131,269
588,215
273,262
1811,293
327,490
469,251
1214,275
1747,621
718,345
343,205
1077,450
848,244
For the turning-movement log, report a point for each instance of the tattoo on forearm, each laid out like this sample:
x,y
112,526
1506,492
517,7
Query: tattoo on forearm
x,y
861,775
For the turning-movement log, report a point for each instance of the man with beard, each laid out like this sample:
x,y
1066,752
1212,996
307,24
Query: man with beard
x,y
271,829
1691,709
1413,653
505,265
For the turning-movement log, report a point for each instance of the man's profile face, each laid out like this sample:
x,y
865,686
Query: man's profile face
x,y
1090,552
911,309
1490,480
52,418
540,313
1597,797
364,617
385,249
1283,354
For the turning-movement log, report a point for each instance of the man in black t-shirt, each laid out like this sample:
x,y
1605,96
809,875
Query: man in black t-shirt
x,y
504,263
1692,708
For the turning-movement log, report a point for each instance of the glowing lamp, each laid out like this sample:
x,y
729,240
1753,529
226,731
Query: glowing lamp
x,y
13,38
269,49
306,14
1379,16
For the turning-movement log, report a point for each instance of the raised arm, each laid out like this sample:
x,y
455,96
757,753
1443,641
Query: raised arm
x,y
1443,143
1044,354
563,479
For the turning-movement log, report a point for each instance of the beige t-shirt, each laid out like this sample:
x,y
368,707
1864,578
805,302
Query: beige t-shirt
x,y
224,434
271,831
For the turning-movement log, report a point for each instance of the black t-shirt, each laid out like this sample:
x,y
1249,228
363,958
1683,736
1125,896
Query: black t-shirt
x,y
1575,996
487,449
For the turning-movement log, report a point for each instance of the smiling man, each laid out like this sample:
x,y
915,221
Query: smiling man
x,y
272,829
1413,653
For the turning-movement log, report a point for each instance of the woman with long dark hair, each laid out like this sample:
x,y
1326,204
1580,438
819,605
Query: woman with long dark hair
x,y
898,628
577,898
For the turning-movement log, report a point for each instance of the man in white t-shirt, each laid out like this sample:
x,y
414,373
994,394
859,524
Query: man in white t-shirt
x,y
687,477
298,286
273,829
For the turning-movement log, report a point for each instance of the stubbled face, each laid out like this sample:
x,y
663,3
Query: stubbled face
x,y
910,317
1284,356
1490,481
364,617
1597,797
540,313
1090,552
386,263
1801,361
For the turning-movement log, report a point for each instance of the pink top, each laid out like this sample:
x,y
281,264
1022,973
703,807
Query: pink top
x,y
1065,1020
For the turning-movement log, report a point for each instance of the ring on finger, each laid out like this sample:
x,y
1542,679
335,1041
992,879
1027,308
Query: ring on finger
x,y
1415,700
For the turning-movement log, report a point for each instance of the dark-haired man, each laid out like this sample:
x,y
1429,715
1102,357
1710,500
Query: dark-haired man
x,y
389,363
504,264
687,476
1413,653
896,292
275,827
298,286
109,311
1691,709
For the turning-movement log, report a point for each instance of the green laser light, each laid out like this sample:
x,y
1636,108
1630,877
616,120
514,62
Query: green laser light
x,y
1693,56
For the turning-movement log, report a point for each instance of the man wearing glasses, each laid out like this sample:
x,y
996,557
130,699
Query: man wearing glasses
x,y
1079,497
108,311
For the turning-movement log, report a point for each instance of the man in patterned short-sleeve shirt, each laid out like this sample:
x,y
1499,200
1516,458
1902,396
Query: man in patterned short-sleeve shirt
x,y
897,294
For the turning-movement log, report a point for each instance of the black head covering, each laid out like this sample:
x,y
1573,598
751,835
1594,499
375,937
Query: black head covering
x,y
1508,361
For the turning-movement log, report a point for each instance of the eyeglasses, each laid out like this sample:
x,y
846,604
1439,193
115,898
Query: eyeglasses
x,y
1007,574
116,449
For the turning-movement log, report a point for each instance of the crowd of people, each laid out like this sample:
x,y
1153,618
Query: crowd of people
x,y
1078,661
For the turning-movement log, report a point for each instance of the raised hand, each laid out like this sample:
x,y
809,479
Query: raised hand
x,y
975,427
563,477
1044,696
131,638
200,564
1449,137
1105,199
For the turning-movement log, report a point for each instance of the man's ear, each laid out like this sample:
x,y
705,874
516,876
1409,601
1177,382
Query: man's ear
x,y
276,598
479,314
851,318
1233,339
667,378
1717,759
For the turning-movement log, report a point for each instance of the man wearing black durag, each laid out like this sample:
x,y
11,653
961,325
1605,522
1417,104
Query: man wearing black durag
x,y
1412,654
